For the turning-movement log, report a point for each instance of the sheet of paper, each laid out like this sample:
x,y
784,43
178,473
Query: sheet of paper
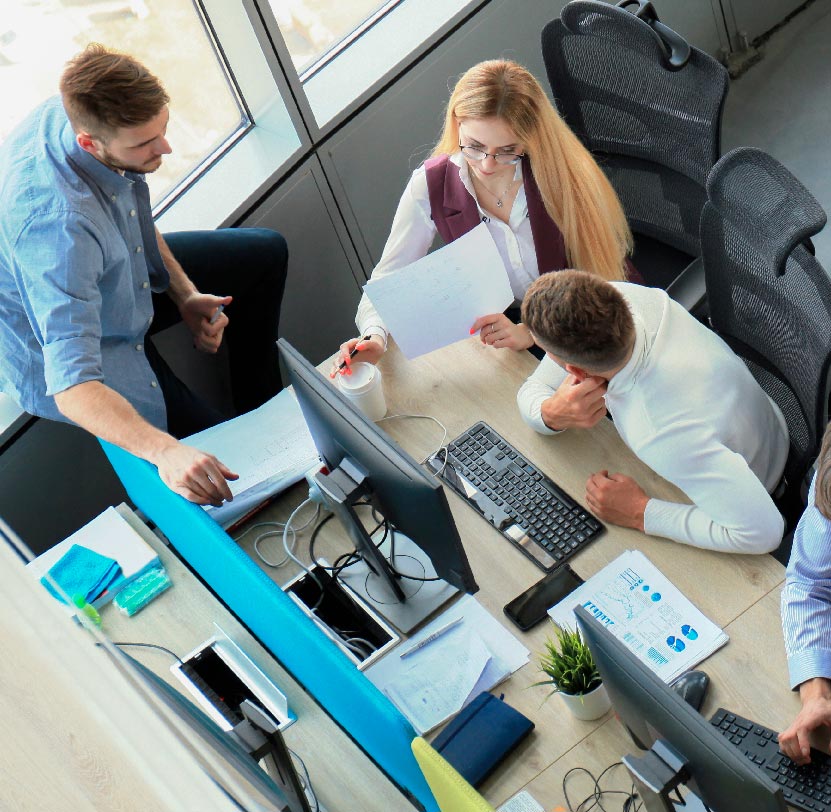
x,y
434,301
634,600
435,666
270,448
521,802
426,701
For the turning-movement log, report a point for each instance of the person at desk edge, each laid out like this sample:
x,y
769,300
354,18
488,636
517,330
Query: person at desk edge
x,y
680,398
806,616
83,269
505,157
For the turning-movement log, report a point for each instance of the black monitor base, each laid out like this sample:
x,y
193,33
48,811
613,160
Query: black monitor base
x,y
656,774
422,598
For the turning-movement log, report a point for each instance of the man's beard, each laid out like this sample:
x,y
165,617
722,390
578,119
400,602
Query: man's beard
x,y
119,166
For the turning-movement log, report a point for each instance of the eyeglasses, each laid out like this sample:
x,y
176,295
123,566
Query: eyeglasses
x,y
503,158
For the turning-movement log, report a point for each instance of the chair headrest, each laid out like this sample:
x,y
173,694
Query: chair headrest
x,y
761,198
618,21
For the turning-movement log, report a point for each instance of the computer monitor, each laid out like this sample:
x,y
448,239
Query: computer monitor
x,y
280,787
366,465
686,748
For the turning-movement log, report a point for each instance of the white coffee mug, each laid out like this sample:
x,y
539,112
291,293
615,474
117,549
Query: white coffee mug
x,y
365,389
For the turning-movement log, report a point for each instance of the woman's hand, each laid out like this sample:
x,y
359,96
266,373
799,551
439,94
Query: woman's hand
x,y
497,330
369,349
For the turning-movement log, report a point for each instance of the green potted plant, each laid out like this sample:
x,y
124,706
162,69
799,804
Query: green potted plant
x,y
571,672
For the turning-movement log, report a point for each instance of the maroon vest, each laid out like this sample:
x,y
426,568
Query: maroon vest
x,y
454,211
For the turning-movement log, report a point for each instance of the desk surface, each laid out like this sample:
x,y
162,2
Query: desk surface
x,y
468,382
183,617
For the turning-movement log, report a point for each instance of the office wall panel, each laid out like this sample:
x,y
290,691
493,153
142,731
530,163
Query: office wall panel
x,y
751,18
322,289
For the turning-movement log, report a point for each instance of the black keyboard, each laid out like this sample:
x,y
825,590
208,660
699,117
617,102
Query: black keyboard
x,y
807,787
520,501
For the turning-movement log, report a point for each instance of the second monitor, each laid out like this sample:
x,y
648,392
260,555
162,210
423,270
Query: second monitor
x,y
367,468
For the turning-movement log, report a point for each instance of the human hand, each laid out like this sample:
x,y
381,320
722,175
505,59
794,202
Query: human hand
x,y
815,714
196,475
617,499
577,404
199,312
369,349
497,330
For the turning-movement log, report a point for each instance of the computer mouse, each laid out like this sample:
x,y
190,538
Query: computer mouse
x,y
691,686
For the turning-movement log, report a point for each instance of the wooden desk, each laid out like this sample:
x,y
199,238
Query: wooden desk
x,y
467,382
182,618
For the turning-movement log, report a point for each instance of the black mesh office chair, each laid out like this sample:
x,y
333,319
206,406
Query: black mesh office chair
x,y
769,297
649,107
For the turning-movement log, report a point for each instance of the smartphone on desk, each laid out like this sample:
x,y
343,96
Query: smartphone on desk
x,y
530,607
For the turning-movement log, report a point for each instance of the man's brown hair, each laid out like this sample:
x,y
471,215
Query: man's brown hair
x,y
103,90
581,318
822,492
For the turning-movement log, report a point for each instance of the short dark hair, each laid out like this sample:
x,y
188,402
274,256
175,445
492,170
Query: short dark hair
x,y
580,318
103,90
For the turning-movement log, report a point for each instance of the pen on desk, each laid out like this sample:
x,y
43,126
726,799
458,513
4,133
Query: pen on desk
x,y
431,637
353,353
216,314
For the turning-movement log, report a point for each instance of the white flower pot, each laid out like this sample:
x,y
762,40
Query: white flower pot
x,y
588,706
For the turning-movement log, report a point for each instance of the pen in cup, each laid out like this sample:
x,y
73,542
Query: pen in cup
x,y
431,637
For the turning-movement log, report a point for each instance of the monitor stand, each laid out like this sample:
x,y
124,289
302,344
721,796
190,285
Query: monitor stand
x,y
656,774
421,598
403,602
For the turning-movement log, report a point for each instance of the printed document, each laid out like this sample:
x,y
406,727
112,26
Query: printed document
x,y
434,301
270,448
438,679
645,611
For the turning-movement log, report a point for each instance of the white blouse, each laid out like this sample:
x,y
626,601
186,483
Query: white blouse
x,y
413,231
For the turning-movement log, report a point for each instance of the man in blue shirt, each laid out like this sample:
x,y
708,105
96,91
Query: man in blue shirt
x,y
806,616
86,278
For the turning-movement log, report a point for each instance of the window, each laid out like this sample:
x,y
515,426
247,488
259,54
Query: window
x,y
312,28
37,37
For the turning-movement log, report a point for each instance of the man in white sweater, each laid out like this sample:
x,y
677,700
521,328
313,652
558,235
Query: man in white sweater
x,y
680,399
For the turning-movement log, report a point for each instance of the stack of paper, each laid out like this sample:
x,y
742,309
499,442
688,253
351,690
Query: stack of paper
x,y
645,611
270,448
434,301
110,535
437,680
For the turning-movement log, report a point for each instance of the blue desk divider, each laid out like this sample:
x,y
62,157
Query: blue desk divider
x,y
317,663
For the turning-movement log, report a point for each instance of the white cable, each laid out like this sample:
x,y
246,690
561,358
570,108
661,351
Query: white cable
x,y
290,553
281,528
441,425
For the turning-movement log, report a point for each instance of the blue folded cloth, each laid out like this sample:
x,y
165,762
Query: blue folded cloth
x,y
81,571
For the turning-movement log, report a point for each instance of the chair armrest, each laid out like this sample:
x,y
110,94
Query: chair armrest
x,y
689,288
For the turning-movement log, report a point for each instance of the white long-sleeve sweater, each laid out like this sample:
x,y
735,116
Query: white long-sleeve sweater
x,y
691,410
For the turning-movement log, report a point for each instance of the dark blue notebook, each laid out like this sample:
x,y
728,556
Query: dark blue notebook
x,y
480,736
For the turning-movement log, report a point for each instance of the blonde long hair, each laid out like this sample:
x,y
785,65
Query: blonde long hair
x,y
576,193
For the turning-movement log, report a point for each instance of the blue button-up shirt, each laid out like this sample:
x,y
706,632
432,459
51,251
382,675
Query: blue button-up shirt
x,y
78,262
806,599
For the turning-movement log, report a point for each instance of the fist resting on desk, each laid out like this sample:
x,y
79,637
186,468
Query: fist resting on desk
x,y
616,499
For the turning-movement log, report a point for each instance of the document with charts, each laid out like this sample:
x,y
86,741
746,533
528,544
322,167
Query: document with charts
x,y
434,301
645,611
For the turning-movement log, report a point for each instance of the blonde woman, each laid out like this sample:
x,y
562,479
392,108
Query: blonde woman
x,y
505,158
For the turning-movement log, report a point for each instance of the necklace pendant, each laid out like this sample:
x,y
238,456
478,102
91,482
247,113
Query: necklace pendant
x,y
499,203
